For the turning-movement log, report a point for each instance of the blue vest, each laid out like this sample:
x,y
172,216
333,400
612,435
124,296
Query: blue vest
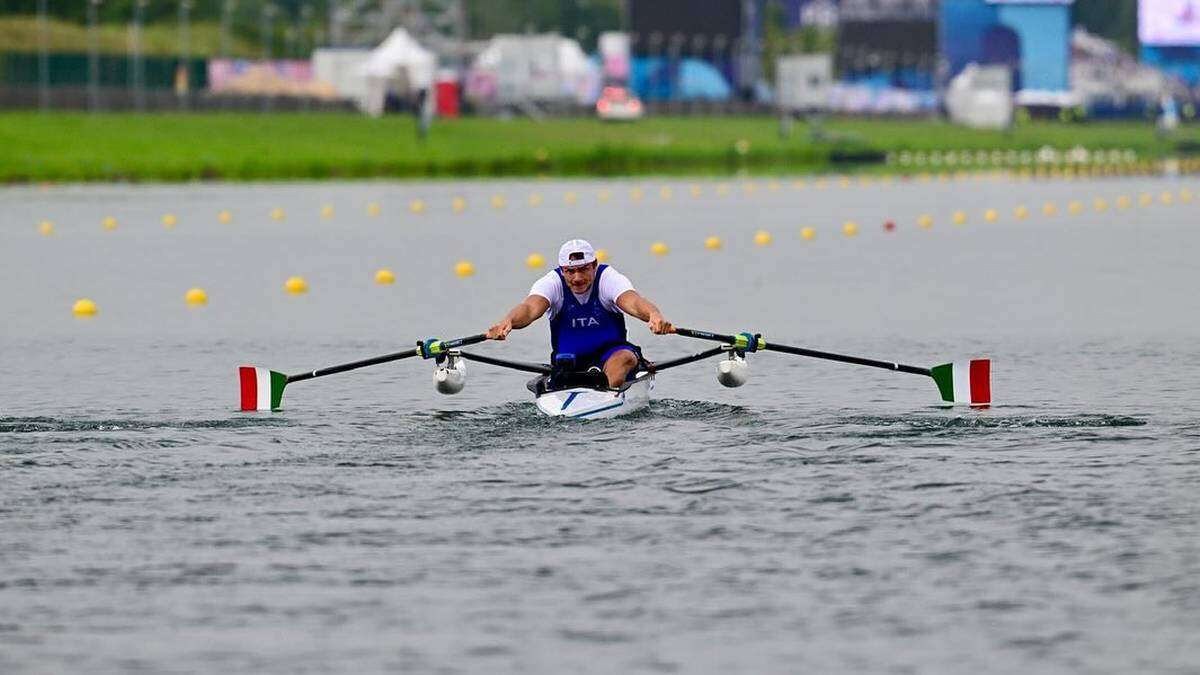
x,y
585,329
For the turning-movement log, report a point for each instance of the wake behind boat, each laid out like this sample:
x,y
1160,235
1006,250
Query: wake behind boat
x,y
565,393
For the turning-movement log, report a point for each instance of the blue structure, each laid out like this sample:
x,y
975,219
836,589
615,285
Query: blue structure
x,y
1032,37
1182,62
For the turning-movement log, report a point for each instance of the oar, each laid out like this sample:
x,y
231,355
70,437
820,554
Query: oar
x,y
960,382
262,389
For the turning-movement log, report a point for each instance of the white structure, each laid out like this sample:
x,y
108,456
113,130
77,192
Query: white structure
x,y
343,70
981,97
399,66
516,70
804,83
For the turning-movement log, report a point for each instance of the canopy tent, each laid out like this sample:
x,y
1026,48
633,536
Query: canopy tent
x,y
533,68
399,65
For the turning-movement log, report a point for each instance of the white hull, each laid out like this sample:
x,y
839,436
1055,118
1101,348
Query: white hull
x,y
591,403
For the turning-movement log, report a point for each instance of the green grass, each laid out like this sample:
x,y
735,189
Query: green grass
x,y
174,147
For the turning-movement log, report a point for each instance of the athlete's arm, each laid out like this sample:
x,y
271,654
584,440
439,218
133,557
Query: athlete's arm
x,y
633,304
530,310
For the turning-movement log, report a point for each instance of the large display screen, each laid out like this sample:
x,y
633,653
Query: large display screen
x,y
1169,22
690,18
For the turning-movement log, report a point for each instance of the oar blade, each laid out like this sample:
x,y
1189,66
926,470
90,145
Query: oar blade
x,y
261,389
965,382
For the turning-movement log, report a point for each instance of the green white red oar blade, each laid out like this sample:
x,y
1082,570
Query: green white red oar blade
x,y
262,389
967,383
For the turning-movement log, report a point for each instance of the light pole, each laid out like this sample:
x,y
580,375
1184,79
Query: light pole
x,y
93,56
185,53
268,11
227,9
43,59
137,76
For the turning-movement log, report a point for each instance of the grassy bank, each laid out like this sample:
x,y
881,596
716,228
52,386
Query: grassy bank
x,y
22,34
170,147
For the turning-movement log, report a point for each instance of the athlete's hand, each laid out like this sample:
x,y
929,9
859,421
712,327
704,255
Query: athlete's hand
x,y
500,330
659,325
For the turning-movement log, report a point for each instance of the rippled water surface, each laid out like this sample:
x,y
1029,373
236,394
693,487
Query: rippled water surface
x,y
822,518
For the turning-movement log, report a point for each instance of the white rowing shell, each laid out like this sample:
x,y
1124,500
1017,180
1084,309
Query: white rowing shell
x,y
596,403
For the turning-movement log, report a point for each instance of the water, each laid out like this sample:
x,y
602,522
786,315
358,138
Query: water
x,y
822,518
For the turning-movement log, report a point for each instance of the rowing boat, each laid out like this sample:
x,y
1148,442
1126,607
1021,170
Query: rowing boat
x,y
587,395
592,400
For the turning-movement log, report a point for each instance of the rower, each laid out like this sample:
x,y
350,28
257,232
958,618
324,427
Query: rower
x,y
586,300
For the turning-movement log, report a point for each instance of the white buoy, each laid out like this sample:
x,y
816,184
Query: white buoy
x,y
733,371
451,376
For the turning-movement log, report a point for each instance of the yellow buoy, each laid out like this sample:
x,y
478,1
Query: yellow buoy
x,y
843,182
570,198
1075,208
762,238
658,248
195,297
535,199
807,233
295,285
1185,196
850,228
1021,212
224,217
417,206
464,268
1100,204
799,184
84,307
773,186
1166,198
925,221
169,220
712,243
636,194
458,204
604,195
723,190
664,193
534,261
327,211
991,215
384,276
749,188
1145,199
602,255
695,190
46,228
1050,208
959,218
109,223
1123,202
277,214
373,209
498,202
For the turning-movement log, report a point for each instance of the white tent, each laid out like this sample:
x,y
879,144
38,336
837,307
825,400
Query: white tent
x,y
399,65
533,68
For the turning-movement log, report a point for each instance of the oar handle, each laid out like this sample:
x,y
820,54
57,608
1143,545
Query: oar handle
x,y
427,348
751,342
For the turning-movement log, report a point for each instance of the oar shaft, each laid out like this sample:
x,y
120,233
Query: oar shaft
x,y
856,360
505,363
376,360
812,353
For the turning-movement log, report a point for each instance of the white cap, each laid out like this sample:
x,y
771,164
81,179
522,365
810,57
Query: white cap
x,y
575,247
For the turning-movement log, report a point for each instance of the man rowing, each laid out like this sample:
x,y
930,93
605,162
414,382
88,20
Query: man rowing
x,y
586,300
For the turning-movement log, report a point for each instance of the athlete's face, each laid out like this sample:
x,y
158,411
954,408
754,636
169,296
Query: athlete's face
x,y
579,279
